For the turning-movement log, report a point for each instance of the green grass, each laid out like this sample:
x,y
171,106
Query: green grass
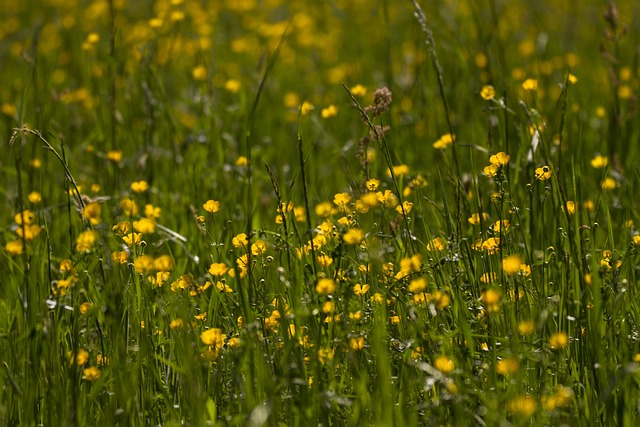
x,y
366,292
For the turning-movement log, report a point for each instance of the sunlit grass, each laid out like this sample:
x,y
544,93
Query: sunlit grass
x,y
281,213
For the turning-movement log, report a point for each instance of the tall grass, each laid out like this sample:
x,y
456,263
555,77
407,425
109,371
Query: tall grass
x,y
338,213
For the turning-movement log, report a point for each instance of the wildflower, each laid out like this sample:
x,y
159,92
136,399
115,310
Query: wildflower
x,y
25,217
85,307
176,324
325,286
490,171
475,218
341,200
306,108
608,184
387,198
359,90
530,85
436,244
232,86
324,209
372,184
91,374
417,285
572,79
14,247
119,257
240,240
92,212
139,186
356,344
398,170
444,141
508,366
163,263
129,207
561,397
489,277
525,270
242,161
491,245
636,239
511,264
114,156
543,173
145,225
325,354
444,364
500,159
491,299
213,337
488,92
599,162
35,197
328,112
143,264
85,240
324,260
151,212
199,73
499,226
441,300
523,406
406,206
132,238
353,237
570,207
80,358
360,290
558,340
211,206
526,327
258,248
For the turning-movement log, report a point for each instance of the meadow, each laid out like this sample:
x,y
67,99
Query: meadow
x,y
340,212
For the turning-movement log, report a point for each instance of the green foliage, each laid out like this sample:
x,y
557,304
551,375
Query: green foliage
x,y
267,212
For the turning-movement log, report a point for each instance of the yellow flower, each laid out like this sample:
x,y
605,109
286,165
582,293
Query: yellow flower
x,y
213,337
85,240
211,206
558,340
240,240
129,207
232,86
488,92
176,324
360,290
436,244
511,264
14,247
372,184
570,207
543,173
599,162
325,286
444,364
359,90
572,79
491,299
475,218
81,357
139,186
490,171
523,406
306,108
444,141
608,184
356,343
499,159
526,327
258,248
91,374
530,85
133,238
163,263
35,197
328,112
353,237
507,366
561,397
145,225
406,205
417,285
199,73
114,156
85,307
501,226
